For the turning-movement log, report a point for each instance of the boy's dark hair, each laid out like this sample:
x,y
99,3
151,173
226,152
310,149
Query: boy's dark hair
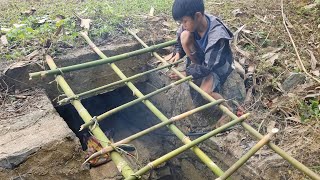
x,y
189,8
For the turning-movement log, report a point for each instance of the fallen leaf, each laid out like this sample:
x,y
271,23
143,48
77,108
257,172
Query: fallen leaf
x,y
237,12
239,68
313,60
294,119
271,125
4,30
312,95
32,55
41,21
316,73
4,40
263,19
85,23
19,25
270,58
242,61
29,12
289,25
310,6
151,12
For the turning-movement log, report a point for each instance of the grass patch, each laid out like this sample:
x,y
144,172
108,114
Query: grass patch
x,y
36,30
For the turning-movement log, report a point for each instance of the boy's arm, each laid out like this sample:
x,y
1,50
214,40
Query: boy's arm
x,y
214,58
178,46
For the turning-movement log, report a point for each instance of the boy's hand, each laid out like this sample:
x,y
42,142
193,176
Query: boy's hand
x,y
172,57
174,76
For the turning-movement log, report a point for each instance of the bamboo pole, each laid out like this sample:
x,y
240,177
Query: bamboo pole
x,y
183,148
152,128
95,91
249,154
131,103
283,154
121,164
202,156
251,130
100,61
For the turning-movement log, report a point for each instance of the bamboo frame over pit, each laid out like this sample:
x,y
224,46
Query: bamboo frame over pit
x,y
131,103
202,156
153,128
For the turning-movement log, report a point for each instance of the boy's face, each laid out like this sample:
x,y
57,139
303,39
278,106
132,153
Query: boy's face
x,y
188,23
191,24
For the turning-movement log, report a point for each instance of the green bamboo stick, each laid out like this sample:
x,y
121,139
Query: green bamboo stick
x,y
100,61
152,128
202,156
248,155
251,130
95,91
131,103
121,164
183,148
283,154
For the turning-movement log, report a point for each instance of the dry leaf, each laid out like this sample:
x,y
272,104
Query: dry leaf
x,y
151,12
270,58
316,73
271,125
310,6
237,12
313,60
263,19
32,55
4,30
29,12
289,25
85,23
239,68
19,25
294,119
4,40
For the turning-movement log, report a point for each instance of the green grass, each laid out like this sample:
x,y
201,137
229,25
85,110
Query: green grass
x,y
106,17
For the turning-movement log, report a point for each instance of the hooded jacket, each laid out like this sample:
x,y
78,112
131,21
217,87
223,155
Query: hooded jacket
x,y
217,56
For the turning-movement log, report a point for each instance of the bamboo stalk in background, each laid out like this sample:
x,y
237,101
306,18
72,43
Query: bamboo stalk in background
x,y
185,147
102,61
153,128
131,103
247,156
121,164
95,91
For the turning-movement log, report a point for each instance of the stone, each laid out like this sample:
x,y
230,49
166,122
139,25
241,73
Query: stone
x,y
293,80
37,142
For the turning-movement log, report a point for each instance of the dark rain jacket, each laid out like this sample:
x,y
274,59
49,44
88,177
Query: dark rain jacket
x,y
217,56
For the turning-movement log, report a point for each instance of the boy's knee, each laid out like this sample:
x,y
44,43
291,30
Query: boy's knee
x,y
186,37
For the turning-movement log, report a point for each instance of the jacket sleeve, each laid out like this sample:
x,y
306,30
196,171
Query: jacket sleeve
x,y
178,47
214,58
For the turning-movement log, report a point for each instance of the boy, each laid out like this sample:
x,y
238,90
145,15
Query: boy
x,y
205,41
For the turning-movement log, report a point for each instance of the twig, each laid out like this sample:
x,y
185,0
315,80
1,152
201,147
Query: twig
x,y
300,64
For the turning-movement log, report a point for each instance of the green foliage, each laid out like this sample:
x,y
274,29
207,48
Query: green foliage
x,y
309,110
106,18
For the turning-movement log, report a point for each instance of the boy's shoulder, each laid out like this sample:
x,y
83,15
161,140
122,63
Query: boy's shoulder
x,y
217,30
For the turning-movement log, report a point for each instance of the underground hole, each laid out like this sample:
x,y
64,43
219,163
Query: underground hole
x,y
123,124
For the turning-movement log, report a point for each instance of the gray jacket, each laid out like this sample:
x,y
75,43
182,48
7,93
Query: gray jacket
x,y
217,57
